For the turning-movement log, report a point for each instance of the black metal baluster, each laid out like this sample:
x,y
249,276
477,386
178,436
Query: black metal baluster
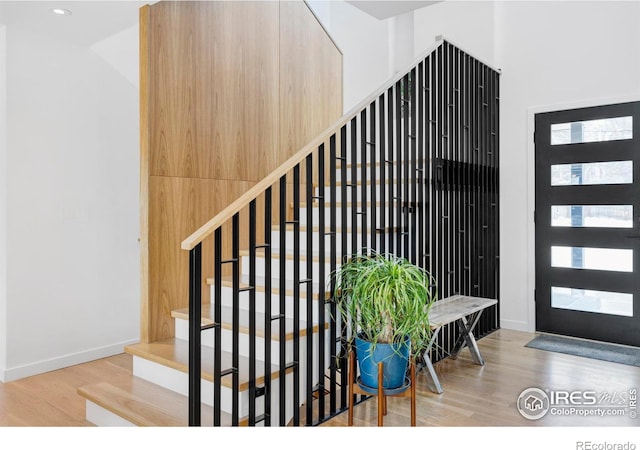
x,y
195,320
406,156
333,247
282,341
399,92
235,357
217,320
321,287
268,214
362,182
252,313
296,295
446,161
455,188
420,168
496,213
354,186
412,178
372,209
485,203
382,175
390,161
472,262
309,282
476,179
343,243
492,196
466,243
353,183
447,190
438,179
429,165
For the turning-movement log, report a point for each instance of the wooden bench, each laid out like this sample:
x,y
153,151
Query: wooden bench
x,y
465,311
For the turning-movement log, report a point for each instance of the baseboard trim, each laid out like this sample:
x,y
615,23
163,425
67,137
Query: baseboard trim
x,y
36,368
515,325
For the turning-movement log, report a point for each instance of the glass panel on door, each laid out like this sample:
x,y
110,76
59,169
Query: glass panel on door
x,y
599,130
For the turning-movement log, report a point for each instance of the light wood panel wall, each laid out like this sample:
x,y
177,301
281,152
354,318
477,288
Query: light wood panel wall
x,y
215,79
310,79
229,90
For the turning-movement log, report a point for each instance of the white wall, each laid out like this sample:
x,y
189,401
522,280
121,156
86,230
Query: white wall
x,y
121,51
73,206
364,43
401,42
553,55
467,24
3,198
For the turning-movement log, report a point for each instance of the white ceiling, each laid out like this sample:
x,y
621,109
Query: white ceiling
x,y
91,20
94,20
383,9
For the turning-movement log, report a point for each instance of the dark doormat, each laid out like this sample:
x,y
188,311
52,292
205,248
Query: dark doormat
x,y
588,349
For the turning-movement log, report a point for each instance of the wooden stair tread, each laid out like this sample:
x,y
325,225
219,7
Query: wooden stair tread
x,y
276,255
227,281
315,228
227,311
174,353
146,404
327,204
359,164
368,182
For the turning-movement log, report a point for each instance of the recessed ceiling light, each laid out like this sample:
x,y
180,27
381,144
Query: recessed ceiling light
x,y
61,11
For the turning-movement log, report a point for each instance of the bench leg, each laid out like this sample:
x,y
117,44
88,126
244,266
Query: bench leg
x,y
426,356
432,373
468,338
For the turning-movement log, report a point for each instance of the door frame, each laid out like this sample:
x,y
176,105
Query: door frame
x,y
530,324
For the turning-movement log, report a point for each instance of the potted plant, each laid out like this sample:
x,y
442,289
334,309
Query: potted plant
x,y
385,300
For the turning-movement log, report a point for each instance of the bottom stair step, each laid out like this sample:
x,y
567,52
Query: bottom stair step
x,y
174,353
142,403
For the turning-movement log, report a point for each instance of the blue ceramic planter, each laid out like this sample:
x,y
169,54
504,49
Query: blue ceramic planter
x,y
395,358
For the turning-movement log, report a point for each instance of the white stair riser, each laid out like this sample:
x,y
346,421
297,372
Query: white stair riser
x,y
208,341
380,214
260,301
289,235
102,417
389,168
358,173
390,190
289,266
178,381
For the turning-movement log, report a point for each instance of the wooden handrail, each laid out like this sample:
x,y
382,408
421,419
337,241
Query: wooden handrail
x,y
243,201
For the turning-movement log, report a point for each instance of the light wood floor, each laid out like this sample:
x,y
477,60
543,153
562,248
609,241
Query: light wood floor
x,y
51,399
487,395
473,395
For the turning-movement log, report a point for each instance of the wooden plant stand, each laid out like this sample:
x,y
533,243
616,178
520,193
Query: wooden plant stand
x,y
354,388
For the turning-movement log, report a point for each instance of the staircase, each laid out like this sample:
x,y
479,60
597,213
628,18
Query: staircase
x,y
160,369
410,171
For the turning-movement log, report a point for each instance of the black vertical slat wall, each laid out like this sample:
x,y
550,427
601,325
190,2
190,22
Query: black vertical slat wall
x,y
462,221
413,173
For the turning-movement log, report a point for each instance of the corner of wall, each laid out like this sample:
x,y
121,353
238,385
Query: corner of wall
x,y
3,199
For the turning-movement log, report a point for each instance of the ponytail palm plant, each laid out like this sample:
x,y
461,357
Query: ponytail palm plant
x,y
385,299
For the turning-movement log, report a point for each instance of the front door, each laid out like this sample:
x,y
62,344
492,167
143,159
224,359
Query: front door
x,y
587,223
